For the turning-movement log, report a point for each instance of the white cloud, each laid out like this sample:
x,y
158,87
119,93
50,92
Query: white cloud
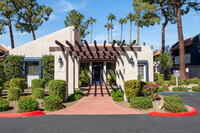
x,y
101,37
53,17
66,6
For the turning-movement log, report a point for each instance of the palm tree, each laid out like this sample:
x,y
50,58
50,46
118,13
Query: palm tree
x,y
111,17
108,26
122,21
91,21
131,17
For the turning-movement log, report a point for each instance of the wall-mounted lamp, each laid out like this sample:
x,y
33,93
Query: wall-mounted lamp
x,y
60,61
131,61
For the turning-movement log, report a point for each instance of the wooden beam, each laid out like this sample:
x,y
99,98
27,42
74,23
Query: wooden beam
x,y
95,43
122,43
79,46
70,45
104,43
113,43
132,43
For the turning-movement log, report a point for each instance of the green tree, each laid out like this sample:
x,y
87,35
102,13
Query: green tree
x,y
7,13
131,17
31,15
164,61
111,17
77,20
122,21
91,21
108,26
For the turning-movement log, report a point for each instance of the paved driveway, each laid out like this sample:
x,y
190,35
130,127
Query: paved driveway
x,y
105,123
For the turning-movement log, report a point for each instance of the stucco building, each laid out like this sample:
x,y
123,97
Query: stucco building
x,y
127,61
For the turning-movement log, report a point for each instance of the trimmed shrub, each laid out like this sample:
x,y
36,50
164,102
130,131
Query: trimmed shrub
x,y
150,91
174,104
27,104
6,85
166,87
4,104
57,88
160,89
119,96
53,103
1,83
195,80
2,74
113,91
71,98
1,91
78,94
38,93
18,82
47,65
13,66
13,93
141,103
180,88
132,88
37,83
160,82
196,88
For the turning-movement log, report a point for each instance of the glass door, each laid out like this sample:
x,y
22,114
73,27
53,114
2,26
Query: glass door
x,y
97,73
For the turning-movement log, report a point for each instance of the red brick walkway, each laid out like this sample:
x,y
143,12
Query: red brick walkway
x,y
102,103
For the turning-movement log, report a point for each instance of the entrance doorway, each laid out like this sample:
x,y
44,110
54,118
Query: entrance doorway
x,y
97,73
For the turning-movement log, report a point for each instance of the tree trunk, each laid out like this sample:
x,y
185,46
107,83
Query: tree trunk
x,y
138,35
111,31
121,32
108,37
130,30
33,32
181,43
91,34
11,34
163,28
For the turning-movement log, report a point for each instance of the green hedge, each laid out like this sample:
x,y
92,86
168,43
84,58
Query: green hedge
x,y
47,65
78,94
2,73
141,103
38,93
6,85
160,82
27,104
18,82
132,88
119,96
113,91
13,66
160,89
37,83
1,83
174,104
13,93
53,103
4,104
1,88
57,88
195,80
180,88
196,88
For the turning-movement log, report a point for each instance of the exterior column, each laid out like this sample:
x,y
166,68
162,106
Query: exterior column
x,y
90,69
71,75
76,63
104,72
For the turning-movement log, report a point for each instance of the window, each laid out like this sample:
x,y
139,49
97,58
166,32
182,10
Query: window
x,y
32,68
141,71
110,67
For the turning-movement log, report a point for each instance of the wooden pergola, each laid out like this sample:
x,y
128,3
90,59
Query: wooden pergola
x,y
95,52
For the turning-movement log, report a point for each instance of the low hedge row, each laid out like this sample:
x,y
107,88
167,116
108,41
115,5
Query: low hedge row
x,y
53,103
174,104
180,88
141,103
196,88
27,104
14,93
4,104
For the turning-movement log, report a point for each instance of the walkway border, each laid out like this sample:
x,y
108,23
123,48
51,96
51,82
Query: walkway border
x,y
163,93
26,114
182,114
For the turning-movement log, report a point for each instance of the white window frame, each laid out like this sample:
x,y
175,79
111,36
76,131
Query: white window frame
x,y
144,70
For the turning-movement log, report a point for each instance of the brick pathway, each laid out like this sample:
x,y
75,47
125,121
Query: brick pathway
x,y
96,103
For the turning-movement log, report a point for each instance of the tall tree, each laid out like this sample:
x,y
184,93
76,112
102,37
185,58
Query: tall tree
x,y
91,21
2,26
7,12
31,15
77,20
111,17
131,17
122,21
108,26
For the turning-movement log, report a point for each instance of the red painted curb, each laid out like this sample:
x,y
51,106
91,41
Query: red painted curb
x,y
182,114
26,114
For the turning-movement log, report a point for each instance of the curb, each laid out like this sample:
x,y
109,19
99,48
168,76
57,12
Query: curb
x,y
182,114
26,114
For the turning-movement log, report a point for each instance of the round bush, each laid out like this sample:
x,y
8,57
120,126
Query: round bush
x,y
78,94
141,103
196,88
4,104
132,88
57,88
14,93
37,83
169,99
27,104
53,103
38,93
112,93
18,82
119,96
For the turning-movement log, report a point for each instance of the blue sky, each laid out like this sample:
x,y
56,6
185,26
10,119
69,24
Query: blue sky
x,y
100,9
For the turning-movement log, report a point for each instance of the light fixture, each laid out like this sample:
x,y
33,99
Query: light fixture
x,y
60,61
131,61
